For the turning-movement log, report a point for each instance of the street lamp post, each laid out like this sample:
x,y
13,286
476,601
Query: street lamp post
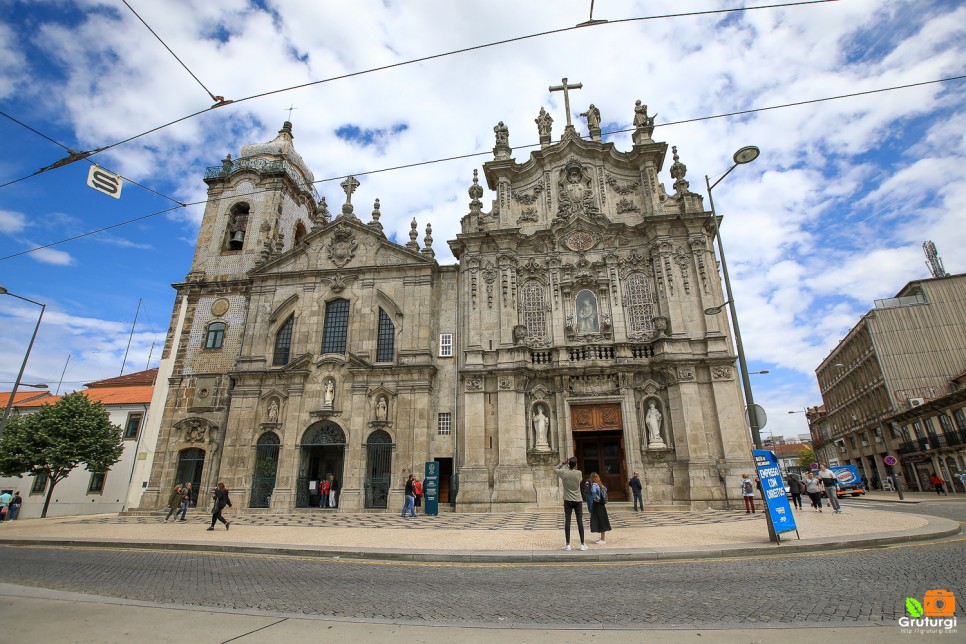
x,y
744,155
16,384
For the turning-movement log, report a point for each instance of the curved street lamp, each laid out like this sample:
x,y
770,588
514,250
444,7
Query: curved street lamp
x,y
745,155
16,383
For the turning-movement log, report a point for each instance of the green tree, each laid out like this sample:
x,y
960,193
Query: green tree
x,y
58,438
805,459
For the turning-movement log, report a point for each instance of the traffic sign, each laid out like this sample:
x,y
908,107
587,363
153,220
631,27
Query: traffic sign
x,y
759,413
813,466
890,460
103,181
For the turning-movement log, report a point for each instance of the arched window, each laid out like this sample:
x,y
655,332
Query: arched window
x,y
266,466
237,224
336,326
946,424
283,342
215,335
960,419
534,305
300,232
385,343
639,304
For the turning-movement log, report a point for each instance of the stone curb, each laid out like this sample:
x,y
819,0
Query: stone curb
x,y
936,528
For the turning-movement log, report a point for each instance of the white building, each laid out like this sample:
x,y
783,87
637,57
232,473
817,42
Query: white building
x,y
127,400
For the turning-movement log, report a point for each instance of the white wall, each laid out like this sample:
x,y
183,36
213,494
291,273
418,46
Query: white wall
x,y
71,496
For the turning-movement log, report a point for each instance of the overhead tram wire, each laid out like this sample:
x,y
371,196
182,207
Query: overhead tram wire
x,y
519,147
73,153
216,99
595,23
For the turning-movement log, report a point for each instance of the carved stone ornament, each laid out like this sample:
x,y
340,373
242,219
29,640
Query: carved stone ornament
x,y
599,385
528,198
343,246
506,382
474,383
219,307
338,282
527,214
685,373
721,373
575,195
580,240
193,430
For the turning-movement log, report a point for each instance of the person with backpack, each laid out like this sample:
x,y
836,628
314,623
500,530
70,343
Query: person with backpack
x,y
186,500
174,503
748,493
599,521
589,495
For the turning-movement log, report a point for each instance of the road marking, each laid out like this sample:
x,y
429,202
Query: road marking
x,y
532,564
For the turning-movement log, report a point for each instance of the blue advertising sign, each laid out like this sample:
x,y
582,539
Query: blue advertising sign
x,y
431,488
846,475
773,489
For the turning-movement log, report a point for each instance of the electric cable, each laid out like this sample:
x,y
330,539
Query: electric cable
x,y
485,152
223,102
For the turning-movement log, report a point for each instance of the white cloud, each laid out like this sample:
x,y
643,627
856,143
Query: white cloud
x,y
12,222
50,256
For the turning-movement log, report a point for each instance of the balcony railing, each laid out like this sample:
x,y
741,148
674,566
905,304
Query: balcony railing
x,y
592,353
934,442
263,167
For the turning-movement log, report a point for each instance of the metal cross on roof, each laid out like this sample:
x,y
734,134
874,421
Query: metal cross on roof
x,y
291,107
565,87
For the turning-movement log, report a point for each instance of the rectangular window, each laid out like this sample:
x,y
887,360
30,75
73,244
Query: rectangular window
x,y
386,340
445,423
336,326
133,425
446,345
96,485
215,335
40,484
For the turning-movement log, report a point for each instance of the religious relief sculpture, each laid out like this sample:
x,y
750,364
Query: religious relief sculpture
x,y
544,122
273,411
541,430
382,409
328,394
502,149
653,421
588,320
574,191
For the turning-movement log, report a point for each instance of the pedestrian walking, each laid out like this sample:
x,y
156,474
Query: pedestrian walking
x,y
410,503
637,490
748,493
829,481
325,487
5,498
417,493
599,521
221,499
571,478
815,490
333,491
795,488
186,500
939,484
15,505
174,503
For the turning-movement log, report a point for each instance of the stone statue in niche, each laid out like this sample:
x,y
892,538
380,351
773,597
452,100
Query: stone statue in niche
x,y
588,320
273,411
653,421
541,429
328,394
382,409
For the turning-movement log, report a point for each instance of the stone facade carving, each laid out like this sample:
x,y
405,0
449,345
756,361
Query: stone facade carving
x,y
575,193
342,247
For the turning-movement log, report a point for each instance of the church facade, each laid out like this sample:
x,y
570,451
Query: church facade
x,y
306,343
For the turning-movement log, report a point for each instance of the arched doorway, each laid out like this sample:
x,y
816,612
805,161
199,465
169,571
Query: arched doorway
x,y
323,453
598,432
266,465
191,462
378,467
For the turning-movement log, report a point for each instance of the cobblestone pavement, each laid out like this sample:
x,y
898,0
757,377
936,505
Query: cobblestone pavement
x,y
845,587
619,518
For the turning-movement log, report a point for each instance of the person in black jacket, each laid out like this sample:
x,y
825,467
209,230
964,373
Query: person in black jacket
x,y
221,499
637,489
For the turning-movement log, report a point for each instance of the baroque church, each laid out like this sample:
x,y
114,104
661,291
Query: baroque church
x,y
305,343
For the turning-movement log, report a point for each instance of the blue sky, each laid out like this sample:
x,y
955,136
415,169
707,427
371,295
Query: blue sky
x,y
830,217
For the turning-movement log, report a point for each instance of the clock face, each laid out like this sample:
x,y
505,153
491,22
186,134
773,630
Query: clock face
x,y
579,241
